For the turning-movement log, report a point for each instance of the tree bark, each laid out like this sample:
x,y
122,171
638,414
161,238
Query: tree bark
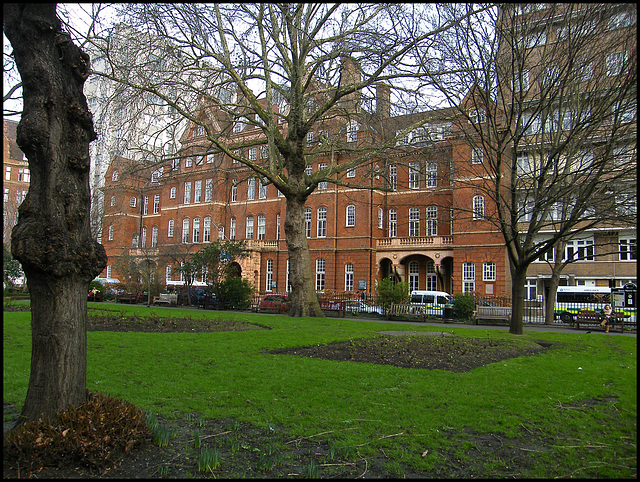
x,y
53,239
304,301
518,278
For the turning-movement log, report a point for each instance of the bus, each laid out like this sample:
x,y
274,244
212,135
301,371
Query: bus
x,y
571,299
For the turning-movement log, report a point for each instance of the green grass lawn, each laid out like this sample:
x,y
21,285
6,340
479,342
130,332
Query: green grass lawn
x,y
578,401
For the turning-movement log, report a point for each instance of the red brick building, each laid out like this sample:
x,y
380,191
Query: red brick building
x,y
413,222
15,181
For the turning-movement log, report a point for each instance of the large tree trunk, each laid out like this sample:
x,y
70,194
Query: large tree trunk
x,y
53,239
304,301
518,277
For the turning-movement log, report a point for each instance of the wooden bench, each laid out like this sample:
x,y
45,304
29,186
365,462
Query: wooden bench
x,y
166,299
499,313
336,307
593,319
408,311
127,298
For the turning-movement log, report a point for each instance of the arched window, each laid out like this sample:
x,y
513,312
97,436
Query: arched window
x,y
114,176
478,207
351,215
170,228
414,275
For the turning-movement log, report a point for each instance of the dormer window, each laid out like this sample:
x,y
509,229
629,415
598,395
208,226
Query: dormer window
x,y
239,126
114,176
477,115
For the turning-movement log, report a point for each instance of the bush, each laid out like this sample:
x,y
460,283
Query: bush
x,y
388,293
235,293
96,434
463,305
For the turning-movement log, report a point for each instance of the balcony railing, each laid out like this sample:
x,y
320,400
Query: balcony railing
x,y
412,242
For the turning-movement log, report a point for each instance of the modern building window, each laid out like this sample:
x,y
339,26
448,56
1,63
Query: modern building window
x,y
531,290
322,222
478,207
579,249
431,221
414,175
488,271
206,230
208,190
262,226
154,236
269,279
197,192
393,222
187,192
172,193
185,230
156,203
348,277
351,215
251,188
414,276
414,221
320,267
170,228
468,277
249,227
307,221
628,249
196,230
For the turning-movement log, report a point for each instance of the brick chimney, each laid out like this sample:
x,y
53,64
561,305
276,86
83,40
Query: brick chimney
x,y
383,100
351,73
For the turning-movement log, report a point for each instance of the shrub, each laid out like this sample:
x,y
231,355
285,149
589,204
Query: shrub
x,y
94,434
235,293
388,293
463,305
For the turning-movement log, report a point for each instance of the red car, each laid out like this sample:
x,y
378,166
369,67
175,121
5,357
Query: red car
x,y
276,303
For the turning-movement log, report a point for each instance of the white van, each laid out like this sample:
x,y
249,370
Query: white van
x,y
432,302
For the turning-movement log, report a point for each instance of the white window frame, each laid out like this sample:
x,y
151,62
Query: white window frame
x,y
477,155
431,175
413,275
154,236
352,131
414,222
269,276
156,203
322,222
187,192
307,221
628,249
197,191
351,215
414,175
478,207
393,222
232,228
172,193
251,188
431,221
348,277
489,271
393,176
170,228
249,227
262,225
468,277
208,190
196,230
320,273
185,231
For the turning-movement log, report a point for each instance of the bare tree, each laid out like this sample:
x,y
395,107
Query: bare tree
x,y
547,94
52,239
321,64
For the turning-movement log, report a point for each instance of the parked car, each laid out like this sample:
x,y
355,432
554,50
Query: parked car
x,y
361,307
275,303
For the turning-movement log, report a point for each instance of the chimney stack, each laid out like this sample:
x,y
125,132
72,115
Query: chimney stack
x,y
383,100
